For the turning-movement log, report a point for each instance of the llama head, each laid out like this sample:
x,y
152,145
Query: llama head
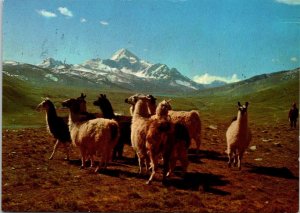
x,y
82,102
243,108
150,99
72,104
134,98
45,104
163,108
102,101
105,106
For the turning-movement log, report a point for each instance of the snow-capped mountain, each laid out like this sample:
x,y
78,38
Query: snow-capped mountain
x,y
124,70
52,63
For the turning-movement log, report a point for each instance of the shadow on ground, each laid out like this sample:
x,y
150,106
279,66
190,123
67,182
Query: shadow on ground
x,y
281,172
199,182
205,154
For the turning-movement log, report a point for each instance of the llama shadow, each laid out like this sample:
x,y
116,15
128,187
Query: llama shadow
x,y
120,161
281,172
113,172
75,162
205,154
195,181
127,160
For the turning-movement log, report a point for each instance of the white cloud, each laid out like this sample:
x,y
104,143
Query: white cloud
x,y
207,78
82,20
65,11
275,60
290,2
294,59
46,13
104,23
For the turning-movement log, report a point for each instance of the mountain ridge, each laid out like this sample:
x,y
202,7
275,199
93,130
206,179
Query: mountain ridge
x,y
124,69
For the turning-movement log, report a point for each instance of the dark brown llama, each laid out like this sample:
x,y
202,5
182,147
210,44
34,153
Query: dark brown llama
x,y
123,121
56,126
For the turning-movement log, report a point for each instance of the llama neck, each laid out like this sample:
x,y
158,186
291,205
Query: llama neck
x,y
108,112
242,120
51,117
74,119
161,113
152,108
141,109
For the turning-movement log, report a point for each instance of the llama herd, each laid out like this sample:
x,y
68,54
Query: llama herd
x,y
154,131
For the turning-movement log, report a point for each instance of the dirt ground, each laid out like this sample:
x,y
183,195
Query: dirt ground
x,y
268,181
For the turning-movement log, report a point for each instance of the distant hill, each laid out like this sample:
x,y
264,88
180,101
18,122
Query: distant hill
x,y
271,93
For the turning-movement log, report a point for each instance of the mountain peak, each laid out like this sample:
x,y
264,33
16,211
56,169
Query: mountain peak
x,y
50,63
126,54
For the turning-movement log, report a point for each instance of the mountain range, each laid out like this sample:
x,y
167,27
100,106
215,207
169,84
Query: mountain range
x,y
123,70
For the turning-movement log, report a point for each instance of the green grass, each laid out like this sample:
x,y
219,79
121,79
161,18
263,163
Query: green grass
x,y
270,100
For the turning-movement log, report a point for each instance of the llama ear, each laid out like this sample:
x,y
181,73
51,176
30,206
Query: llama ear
x,y
246,104
239,104
169,100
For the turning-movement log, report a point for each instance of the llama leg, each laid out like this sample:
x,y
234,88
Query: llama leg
x,y
92,160
240,156
184,162
54,149
230,156
153,166
166,163
114,156
140,165
172,167
120,151
83,159
235,158
147,163
198,142
67,150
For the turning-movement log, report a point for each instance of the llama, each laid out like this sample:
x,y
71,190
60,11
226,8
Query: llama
x,y
238,136
93,136
191,119
84,114
56,126
123,121
139,127
134,98
169,138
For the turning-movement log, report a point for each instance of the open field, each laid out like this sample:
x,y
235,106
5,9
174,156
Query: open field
x,y
268,181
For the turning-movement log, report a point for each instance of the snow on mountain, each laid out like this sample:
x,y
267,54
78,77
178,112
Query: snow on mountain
x,y
13,63
125,54
52,63
124,69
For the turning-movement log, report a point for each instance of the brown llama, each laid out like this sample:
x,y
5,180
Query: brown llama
x,y
167,138
191,119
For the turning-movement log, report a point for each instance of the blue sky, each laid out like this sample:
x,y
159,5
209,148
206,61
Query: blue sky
x,y
203,39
